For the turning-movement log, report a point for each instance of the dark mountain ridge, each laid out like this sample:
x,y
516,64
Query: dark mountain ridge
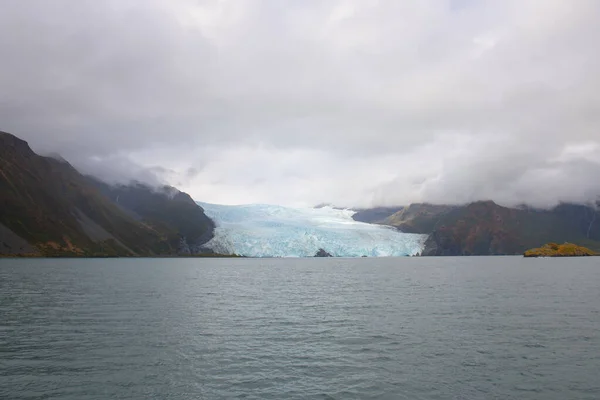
x,y
48,208
486,228
166,209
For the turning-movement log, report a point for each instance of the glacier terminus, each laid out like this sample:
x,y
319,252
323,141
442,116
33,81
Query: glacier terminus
x,y
259,230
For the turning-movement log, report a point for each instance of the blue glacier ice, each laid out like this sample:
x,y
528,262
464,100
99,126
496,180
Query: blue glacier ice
x,y
259,230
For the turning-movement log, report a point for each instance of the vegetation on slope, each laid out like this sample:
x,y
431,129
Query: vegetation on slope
x,y
560,250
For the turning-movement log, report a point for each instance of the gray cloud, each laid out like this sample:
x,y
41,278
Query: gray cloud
x,y
346,101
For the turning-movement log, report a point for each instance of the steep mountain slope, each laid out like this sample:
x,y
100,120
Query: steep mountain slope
x,y
48,204
418,218
414,218
486,228
165,209
375,215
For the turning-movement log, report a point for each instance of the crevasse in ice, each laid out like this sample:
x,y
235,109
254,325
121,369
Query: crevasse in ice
x,y
259,230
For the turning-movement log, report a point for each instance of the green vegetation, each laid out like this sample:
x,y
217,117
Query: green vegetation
x,y
560,250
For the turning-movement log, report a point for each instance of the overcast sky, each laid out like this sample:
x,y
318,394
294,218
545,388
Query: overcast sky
x,y
353,102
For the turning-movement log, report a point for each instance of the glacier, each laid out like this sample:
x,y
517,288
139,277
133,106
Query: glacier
x,y
259,230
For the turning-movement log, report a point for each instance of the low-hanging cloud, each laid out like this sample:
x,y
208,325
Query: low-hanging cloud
x,y
353,102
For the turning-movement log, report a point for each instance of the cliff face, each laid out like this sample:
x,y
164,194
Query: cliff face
x,y
49,208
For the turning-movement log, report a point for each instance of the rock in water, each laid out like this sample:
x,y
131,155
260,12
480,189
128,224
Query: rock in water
x,y
322,253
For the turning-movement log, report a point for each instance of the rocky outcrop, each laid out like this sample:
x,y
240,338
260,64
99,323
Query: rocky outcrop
x,y
322,253
560,250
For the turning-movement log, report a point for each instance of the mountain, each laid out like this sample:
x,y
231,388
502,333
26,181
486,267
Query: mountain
x,y
165,209
415,218
486,228
48,208
375,215
418,218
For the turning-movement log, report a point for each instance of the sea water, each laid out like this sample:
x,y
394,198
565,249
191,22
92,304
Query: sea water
x,y
366,328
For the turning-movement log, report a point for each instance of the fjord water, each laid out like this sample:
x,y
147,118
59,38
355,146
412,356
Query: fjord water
x,y
387,328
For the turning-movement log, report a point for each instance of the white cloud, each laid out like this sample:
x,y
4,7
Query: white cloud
x,y
349,101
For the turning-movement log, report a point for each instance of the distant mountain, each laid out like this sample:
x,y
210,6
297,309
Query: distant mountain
x,y
375,215
49,208
418,218
486,228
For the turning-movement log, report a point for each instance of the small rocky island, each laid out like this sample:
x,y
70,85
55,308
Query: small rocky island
x,y
560,250
323,253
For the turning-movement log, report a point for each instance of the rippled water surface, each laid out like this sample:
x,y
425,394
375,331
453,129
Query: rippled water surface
x,y
406,328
